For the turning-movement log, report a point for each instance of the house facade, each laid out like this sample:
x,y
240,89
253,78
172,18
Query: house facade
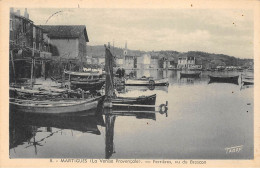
x,y
26,42
188,63
24,34
69,40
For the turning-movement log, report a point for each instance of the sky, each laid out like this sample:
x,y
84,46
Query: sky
x,y
221,31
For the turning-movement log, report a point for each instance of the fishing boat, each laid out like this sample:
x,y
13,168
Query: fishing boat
x,y
86,80
224,79
141,100
147,81
247,79
60,106
190,75
247,82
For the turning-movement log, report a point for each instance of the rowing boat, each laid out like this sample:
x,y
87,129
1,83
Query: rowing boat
x,y
224,79
87,86
247,82
54,107
142,100
146,81
86,80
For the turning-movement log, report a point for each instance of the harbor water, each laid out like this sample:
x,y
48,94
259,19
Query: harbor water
x,y
204,120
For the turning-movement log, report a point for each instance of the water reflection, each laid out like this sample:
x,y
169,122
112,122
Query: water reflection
x,y
25,127
110,118
202,118
110,122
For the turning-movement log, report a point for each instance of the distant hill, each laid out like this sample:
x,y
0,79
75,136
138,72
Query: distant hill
x,y
204,58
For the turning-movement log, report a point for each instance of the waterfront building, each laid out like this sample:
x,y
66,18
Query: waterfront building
x,y
70,40
188,63
26,42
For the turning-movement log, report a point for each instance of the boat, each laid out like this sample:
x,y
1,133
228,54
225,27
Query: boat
x,y
146,81
86,80
190,75
56,107
87,86
247,82
141,100
224,79
247,79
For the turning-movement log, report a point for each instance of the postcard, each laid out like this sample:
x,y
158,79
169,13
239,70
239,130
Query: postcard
x,y
129,83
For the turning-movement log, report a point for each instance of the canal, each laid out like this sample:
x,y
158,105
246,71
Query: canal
x,y
202,122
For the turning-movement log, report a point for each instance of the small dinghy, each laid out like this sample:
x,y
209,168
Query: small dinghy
x,y
224,79
142,100
54,107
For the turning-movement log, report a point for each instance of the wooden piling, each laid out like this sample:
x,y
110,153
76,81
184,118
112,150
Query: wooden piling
x,y
12,59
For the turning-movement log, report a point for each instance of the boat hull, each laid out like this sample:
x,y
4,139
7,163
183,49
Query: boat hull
x,y
87,86
161,82
248,83
218,79
56,108
145,100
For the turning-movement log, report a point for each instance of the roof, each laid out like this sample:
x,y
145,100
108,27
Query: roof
x,y
24,18
65,31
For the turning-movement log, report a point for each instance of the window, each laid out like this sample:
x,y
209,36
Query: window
x,y
24,26
34,32
11,24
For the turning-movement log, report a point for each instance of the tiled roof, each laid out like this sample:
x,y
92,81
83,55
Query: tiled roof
x,y
65,31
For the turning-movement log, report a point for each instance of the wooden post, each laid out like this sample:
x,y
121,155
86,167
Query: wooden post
x,y
69,82
12,59
32,72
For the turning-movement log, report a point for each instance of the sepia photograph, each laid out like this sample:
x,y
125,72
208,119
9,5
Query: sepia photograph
x,y
130,85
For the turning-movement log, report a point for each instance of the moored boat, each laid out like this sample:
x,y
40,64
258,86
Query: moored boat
x,y
87,86
142,100
86,80
54,107
190,75
147,81
247,82
224,79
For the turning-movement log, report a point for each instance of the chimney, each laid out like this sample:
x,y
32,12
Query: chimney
x,y
26,15
11,10
18,12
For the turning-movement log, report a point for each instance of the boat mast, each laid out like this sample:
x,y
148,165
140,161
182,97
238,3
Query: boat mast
x,y
109,88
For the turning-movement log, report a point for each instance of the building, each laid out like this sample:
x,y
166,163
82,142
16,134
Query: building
x,y
23,33
188,63
70,40
26,42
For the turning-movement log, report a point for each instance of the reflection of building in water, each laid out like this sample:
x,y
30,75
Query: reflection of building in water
x,y
110,122
188,63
